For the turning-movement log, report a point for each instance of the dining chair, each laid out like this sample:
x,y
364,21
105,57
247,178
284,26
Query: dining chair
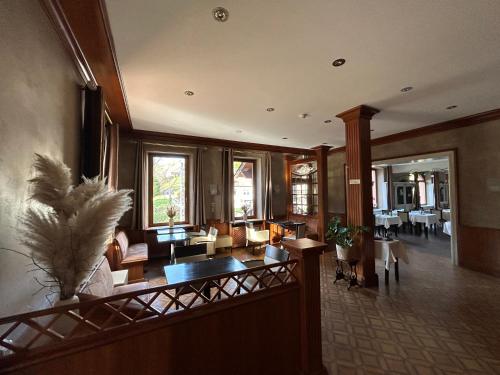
x,y
256,237
209,240
271,256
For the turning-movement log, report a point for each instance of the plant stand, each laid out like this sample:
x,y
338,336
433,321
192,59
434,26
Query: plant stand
x,y
351,276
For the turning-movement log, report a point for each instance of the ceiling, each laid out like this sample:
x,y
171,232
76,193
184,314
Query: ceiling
x,y
279,54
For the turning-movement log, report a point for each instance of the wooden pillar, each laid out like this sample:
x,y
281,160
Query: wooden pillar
x,y
321,158
307,252
113,157
359,185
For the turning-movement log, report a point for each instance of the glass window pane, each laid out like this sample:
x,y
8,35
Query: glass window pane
x,y
243,187
169,187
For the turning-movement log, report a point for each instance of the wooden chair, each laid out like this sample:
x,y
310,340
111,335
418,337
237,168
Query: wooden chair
x,y
129,256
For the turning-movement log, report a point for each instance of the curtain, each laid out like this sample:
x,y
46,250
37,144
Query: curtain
x,y
138,209
437,198
416,195
390,200
227,209
268,188
199,196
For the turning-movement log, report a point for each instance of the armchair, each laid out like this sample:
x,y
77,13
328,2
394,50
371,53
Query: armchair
x,y
256,237
209,240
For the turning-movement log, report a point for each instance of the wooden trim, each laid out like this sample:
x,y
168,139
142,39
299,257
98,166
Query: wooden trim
x,y
195,140
88,22
150,188
254,178
461,122
56,15
113,148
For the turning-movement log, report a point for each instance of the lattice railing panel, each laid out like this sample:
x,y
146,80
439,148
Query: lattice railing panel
x,y
26,332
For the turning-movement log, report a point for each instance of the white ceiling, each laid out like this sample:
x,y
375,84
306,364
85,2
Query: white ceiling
x,y
278,53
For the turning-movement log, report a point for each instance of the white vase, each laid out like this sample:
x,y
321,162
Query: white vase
x,y
347,253
171,222
245,217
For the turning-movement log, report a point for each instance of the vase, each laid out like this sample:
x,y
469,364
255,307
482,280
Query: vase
x,y
347,253
171,222
245,217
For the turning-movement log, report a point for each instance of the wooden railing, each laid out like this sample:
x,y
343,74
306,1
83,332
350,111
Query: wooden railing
x,y
262,320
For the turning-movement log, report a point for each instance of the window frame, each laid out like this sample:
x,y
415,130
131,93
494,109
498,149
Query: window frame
x,y
151,155
254,182
374,188
289,177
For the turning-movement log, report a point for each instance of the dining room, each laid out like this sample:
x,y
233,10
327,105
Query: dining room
x,y
414,205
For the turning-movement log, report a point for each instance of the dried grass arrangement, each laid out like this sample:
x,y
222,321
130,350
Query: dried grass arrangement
x,y
66,235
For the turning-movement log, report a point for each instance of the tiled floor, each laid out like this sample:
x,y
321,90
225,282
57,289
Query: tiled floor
x,y
439,319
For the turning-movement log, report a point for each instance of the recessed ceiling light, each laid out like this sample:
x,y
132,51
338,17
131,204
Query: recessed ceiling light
x,y
284,138
304,115
451,107
372,130
220,14
324,143
188,93
270,109
338,62
406,89
327,121
239,131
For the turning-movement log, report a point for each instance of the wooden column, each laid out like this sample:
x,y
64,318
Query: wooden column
x,y
308,276
321,158
359,184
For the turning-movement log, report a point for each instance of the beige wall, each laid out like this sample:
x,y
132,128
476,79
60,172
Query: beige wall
x,y
212,164
39,112
478,156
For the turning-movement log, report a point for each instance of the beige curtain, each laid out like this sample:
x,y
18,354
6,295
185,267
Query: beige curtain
x,y
227,209
199,196
268,188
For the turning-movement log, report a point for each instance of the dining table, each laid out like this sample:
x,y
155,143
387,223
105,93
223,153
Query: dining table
x,y
446,213
447,228
428,220
391,252
388,220
191,271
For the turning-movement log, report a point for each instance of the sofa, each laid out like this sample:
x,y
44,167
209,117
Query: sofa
x,y
124,255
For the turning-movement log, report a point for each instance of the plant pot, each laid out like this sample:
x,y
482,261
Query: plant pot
x,y
347,253
171,222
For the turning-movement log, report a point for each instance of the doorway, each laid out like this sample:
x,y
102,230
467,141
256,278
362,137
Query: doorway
x,y
422,189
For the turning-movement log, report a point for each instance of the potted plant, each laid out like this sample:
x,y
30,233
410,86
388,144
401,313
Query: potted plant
x,y
344,238
66,231
246,209
171,212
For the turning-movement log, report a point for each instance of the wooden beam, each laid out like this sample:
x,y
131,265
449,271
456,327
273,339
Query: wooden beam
x,y
88,22
194,140
359,184
461,122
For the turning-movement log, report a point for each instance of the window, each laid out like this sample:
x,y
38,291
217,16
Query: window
x,y
167,182
422,190
304,177
244,187
374,188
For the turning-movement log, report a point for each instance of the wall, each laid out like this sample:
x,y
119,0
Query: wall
x,y
39,112
478,162
212,164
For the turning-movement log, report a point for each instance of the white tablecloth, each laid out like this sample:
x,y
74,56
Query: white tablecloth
x,y
447,214
447,228
377,211
388,251
387,221
427,219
